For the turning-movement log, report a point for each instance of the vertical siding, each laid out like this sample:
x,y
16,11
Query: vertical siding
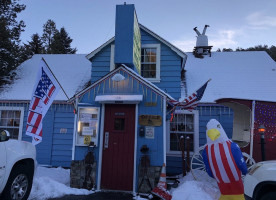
x,y
221,113
170,66
130,86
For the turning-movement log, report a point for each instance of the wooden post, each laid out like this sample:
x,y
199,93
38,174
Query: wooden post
x,y
188,152
182,148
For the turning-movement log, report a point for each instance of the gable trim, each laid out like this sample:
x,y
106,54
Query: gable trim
x,y
131,73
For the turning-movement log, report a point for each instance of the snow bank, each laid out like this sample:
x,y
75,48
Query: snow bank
x,y
190,189
52,183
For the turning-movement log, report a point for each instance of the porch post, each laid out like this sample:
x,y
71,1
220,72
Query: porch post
x,y
164,129
252,127
101,147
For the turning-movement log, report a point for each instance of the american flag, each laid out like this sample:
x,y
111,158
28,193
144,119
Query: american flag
x,y
43,96
191,101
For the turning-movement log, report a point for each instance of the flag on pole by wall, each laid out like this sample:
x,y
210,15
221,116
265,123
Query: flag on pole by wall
x,y
45,90
191,101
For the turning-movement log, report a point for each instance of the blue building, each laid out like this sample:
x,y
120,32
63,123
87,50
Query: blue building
x,y
121,91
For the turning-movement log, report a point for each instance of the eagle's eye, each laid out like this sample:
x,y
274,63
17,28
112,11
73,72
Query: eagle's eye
x,y
218,126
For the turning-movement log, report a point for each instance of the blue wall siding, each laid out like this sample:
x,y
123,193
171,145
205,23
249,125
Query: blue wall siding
x,y
101,64
223,114
170,66
130,86
55,148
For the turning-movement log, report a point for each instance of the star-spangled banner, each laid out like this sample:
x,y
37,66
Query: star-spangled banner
x,y
191,101
45,90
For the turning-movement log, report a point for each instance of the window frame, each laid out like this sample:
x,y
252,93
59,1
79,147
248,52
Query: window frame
x,y
158,59
157,46
196,132
20,127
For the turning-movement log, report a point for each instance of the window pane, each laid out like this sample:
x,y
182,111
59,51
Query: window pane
x,y
175,141
119,124
148,62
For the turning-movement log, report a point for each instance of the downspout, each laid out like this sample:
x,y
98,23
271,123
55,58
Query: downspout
x,y
75,129
252,127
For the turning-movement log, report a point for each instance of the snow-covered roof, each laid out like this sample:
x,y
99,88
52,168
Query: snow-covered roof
x,y
174,48
73,71
247,75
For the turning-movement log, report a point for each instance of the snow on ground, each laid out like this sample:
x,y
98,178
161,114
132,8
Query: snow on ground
x,y
204,187
52,183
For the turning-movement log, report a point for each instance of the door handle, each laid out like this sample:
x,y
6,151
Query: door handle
x,y
106,139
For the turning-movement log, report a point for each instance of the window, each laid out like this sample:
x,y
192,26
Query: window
x,y
88,120
150,61
184,124
11,119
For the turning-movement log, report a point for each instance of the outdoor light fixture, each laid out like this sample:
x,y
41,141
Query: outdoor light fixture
x,y
118,77
262,130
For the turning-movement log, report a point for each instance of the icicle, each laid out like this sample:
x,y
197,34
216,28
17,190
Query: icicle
x,y
98,89
156,98
138,84
146,92
103,86
109,83
89,95
94,93
161,100
132,85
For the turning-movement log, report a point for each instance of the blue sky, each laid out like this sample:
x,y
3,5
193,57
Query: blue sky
x,y
235,23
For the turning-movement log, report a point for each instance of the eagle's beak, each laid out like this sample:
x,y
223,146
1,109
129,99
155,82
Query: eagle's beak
x,y
213,134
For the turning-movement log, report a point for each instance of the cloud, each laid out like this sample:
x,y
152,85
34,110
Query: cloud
x,y
259,20
220,39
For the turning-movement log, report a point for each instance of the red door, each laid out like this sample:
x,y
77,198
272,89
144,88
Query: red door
x,y
118,147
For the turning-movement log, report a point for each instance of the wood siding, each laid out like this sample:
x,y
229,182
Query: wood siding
x,y
55,148
170,66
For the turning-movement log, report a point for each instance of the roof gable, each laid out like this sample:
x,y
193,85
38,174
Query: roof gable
x,y
171,46
133,74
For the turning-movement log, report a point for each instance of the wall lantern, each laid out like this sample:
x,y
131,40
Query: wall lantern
x,y
118,77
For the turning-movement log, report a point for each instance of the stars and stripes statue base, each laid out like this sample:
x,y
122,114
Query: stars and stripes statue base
x,y
161,189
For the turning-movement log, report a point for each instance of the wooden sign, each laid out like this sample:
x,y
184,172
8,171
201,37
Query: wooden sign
x,y
150,120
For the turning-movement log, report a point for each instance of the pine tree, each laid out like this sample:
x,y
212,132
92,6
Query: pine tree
x,y
61,43
49,29
10,30
35,46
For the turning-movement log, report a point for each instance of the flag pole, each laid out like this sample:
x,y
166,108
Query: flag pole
x,y
57,81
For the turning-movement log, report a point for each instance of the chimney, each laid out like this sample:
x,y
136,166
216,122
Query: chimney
x,y
202,47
